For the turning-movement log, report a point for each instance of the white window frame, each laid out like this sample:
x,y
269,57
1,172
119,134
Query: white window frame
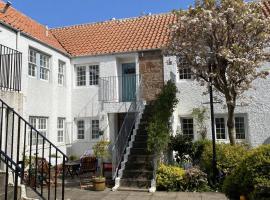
x,y
37,123
93,74
61,72
82,82
95,129
60,129
193,127
41,65
225,117
81,136
185,73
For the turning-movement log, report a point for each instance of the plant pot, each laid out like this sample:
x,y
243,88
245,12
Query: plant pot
x,y
99,183
242,197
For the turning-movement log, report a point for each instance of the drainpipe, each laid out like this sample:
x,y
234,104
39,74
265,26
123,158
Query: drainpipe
x,y
18,35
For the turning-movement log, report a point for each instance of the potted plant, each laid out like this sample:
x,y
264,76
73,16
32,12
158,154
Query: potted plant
x,y
101,152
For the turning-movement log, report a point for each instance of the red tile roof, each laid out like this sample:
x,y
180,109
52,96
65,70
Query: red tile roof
x,y
28,26
266,7
115,36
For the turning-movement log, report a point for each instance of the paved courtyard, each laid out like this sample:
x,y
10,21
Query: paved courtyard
x,y
75,194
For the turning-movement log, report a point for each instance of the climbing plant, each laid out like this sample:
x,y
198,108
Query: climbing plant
x,y
200,115
158,128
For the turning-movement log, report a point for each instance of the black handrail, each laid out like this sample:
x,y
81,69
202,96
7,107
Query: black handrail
x,y
15,131
10,69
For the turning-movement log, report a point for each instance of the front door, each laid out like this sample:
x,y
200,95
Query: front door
x,y
128,82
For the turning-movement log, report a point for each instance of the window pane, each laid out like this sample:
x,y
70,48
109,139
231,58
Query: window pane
x,y
240,127
185,73
81,76
80,125
187,128
220,128
40,124
61,66
95,129
93,74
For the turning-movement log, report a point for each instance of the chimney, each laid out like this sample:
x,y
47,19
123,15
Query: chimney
x,y
4,10
47,31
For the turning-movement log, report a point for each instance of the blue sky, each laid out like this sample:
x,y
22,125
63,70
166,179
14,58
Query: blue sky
x,y
55,13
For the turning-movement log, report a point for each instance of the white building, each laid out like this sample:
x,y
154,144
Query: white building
x,y
74,81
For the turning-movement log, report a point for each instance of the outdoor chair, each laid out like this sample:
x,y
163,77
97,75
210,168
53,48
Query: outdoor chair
x,y
88,165
47,173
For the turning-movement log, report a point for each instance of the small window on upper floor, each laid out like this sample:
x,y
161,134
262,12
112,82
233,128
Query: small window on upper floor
x,y
81,76
93,74
61,72
38,65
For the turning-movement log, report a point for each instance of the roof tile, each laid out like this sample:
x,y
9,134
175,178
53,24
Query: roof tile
x,y
30,27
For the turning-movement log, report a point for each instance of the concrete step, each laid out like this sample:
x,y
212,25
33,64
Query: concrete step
x,y
140,144
10,194
135,183
140,138
136,165
140,158
138,174
132,189
139,151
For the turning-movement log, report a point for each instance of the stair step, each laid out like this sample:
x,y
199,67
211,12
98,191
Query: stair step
x,y
140,144
135,183
132,189
138,174
141,138
140,165
139,151
140,158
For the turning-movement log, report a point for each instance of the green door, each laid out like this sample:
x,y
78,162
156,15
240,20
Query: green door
x,y
128,82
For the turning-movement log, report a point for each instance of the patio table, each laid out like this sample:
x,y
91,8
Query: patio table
x,y
71,168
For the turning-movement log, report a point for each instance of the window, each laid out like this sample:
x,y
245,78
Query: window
x,y
32,67
95,129
187,127
93,74
41,124
220,128
44,67
240,127
38,62
81,75
61,74
185,73
80,125
60,129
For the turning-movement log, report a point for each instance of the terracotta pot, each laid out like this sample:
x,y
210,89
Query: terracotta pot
x,y
99,183
242,197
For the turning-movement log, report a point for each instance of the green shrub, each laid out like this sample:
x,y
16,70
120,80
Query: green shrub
x,y
184,146
251,177
157,129
196,180
228,157
170,178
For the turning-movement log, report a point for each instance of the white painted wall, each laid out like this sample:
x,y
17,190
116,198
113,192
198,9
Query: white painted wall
x,y
257,112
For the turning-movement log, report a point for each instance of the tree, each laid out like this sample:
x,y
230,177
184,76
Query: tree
x,y
224,41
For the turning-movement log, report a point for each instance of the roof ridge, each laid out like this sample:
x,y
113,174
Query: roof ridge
x,y
108,21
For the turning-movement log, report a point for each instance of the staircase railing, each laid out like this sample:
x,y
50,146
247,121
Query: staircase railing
x,y
16,169
122,140
118,88
40,160
10,69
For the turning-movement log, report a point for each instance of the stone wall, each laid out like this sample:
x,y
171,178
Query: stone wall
x,y
151,70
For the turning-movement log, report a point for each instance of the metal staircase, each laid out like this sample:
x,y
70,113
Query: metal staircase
x,y
26,155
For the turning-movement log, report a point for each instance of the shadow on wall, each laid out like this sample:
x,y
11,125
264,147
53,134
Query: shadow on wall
x,y
267,141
